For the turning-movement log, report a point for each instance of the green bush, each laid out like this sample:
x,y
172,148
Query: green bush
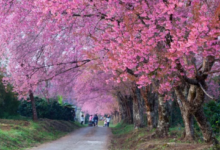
x,y
52,110
8,101
212,111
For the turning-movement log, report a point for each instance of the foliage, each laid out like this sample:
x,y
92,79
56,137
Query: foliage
x,y
212,111
52,110
8,101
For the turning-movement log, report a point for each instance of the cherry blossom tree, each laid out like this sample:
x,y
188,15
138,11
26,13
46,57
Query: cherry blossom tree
x,y
167,44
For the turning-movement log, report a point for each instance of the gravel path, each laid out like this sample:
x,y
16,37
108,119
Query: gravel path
x,y
89,138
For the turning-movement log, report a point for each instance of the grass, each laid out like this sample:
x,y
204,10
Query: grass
x,y
125,137
122,128
17,136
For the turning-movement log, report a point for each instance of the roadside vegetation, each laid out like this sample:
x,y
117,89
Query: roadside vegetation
x,y
21,134
125,137
18,131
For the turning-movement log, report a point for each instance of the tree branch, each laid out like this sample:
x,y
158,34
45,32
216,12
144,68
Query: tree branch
x,y
130,71
206,92
211,72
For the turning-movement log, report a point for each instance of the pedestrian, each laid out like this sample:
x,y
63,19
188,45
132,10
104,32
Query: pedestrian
x,y
105,122
90,120
82,119
93,123
96,120
108,120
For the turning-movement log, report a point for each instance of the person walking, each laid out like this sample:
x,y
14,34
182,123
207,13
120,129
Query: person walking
x,y
96,120
91,120
105,122
108,120
82,119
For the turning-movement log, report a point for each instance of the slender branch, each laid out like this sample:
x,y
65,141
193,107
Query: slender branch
x,y
206,92
50,78
142,20
62,63
211,72
200,67
130,72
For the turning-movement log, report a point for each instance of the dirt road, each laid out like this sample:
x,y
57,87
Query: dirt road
x,y
88,138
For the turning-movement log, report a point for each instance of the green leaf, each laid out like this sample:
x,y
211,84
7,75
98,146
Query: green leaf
x,y
60,99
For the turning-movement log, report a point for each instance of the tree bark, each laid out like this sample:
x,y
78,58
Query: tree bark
x,y
188,123
163,122
186,115
138,118
129,105
200,117
121,109
34,110
125,104
140,106
136,115
150,100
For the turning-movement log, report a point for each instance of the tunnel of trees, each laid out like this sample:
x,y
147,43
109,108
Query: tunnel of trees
x,y
147,63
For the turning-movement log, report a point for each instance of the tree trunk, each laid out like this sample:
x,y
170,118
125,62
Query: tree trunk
x,y
151,106
196,96
118,117
121,109
193,106
34,110
188,123
185,112
136,114
163,122
125,104
129,105
205,127
140,106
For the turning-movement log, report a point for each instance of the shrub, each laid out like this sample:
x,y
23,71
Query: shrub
x,y
212,111
8,101
52,110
